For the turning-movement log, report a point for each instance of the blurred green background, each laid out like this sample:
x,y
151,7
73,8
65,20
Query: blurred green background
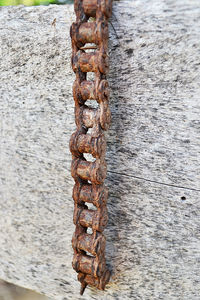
x,y
33,2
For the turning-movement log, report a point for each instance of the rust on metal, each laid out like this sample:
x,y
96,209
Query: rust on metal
x,y
89,35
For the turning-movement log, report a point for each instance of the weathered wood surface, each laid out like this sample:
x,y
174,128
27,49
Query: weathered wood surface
x,y
153,238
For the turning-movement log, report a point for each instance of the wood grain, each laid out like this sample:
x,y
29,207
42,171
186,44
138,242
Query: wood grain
x,y
152,154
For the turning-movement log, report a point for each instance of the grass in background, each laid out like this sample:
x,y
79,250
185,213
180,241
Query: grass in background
x,y
33,2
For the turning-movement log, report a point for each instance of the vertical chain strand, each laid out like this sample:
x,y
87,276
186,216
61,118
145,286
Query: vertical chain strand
x,y
89,35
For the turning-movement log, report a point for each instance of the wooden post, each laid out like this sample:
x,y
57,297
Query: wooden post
x,y
153,151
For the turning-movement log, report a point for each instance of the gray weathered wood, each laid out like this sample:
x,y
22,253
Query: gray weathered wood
x,y
153,151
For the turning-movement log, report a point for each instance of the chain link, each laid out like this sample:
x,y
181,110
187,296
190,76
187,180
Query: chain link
x,y
91,27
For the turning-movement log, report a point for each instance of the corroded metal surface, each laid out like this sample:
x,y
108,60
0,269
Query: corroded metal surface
x,y
89,249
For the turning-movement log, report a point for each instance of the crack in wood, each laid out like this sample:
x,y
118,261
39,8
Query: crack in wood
x,y
154,181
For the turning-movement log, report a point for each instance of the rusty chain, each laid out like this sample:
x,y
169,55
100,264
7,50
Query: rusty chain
x,y
91,27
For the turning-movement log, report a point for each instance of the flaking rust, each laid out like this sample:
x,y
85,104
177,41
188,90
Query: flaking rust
x,y
90,32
